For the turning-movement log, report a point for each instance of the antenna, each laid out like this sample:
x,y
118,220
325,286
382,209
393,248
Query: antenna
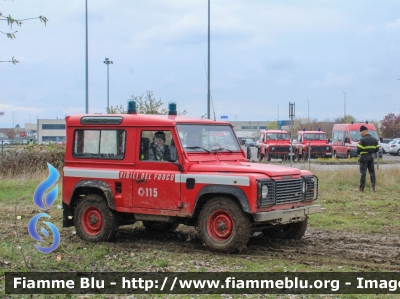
x,y
212,103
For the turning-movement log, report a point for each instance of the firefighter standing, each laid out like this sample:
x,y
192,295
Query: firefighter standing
x,y
366,149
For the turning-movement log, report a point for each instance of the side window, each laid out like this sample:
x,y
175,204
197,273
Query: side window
x,y
337,135
103,144
154,145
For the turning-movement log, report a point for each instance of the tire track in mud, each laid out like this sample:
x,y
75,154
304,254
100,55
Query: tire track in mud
x,y
369,251
318,247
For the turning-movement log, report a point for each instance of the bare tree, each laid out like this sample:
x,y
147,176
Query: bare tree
x,y
11,35
390,125
144,105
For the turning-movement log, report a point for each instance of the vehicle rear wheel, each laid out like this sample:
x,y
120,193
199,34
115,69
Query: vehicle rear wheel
x,y
288,231
160,226
223,226
398,152
94,220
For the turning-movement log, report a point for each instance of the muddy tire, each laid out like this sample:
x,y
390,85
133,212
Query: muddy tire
x,y
223,226
159,226
334,156
94,221
293,231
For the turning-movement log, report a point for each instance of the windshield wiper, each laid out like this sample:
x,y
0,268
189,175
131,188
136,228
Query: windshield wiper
x,y
197,147
221,149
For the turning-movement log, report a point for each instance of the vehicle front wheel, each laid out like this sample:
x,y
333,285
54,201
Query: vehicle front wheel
x,y
398,152
160,226
94,220
294,231
223,226
334,155
348,155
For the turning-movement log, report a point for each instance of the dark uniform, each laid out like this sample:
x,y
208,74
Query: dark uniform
x,y
366,148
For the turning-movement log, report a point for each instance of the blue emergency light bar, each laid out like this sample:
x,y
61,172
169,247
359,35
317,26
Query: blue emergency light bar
x,y
132,107
172,108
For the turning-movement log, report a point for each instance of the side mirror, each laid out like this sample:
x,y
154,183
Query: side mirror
x,y
346,140
172,154
381,139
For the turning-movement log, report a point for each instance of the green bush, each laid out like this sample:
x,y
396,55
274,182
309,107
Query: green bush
x,y
24,160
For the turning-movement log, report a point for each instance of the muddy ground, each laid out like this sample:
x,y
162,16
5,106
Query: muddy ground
x,y
374,252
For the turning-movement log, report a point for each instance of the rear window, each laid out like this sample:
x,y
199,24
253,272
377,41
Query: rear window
x,y
99,144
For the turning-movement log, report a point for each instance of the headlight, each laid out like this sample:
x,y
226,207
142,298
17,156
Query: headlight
x,y
273,148
264,191
327,148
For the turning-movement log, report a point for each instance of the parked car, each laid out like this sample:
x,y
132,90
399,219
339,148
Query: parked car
x,y
250,143
394,147
384,143
5,142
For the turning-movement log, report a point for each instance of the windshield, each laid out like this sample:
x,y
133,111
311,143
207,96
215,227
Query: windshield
x,y
196,138
356,136
277,136
314,137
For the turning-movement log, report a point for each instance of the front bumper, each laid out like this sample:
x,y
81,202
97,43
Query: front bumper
x,y
287,216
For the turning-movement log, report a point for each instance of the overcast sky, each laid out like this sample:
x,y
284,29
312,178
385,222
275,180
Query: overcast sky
x,y
264,54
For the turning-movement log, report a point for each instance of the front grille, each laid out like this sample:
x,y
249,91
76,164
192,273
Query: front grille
x,y
318,149
290,190
280,149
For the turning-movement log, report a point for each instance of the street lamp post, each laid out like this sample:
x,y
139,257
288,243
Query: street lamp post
x,y
208,77
108,62
278,112
344,116
87,64
257,122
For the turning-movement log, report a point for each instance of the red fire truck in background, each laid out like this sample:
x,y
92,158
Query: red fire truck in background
x,y
312,144
273,144
345,138
113,175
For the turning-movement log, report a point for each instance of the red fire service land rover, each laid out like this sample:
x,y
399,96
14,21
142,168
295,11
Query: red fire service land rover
x,y
312,144
273,144
166,170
